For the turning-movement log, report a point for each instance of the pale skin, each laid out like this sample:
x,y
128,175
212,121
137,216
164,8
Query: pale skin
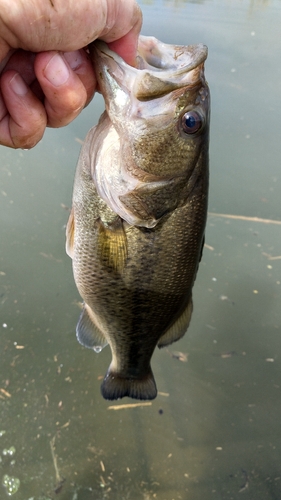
x,y
46,77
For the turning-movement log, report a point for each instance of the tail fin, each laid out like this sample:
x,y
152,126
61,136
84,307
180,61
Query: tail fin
x,y
115,387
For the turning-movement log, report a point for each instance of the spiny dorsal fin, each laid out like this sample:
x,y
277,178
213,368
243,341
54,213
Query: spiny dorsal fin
x,y
70,234
112,244
88,333
178,329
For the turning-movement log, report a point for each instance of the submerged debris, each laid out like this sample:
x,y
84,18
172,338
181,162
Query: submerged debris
x,y
59,486
180,356
59,480
246,482
11,484
130,405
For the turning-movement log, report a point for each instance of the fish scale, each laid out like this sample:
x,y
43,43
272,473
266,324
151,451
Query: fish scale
x,y
136,229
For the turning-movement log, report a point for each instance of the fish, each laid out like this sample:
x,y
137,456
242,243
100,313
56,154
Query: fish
x,y
136,228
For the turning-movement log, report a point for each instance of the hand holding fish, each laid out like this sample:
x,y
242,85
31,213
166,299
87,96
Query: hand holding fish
x,y
46,77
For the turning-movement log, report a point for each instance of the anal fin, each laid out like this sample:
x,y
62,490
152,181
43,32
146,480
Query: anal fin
x,y
178,328
87,332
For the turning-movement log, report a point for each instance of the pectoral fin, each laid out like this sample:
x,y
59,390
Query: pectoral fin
x,y
112,244
88,333
178,329
70,235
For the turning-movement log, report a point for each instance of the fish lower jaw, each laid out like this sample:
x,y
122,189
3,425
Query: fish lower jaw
x,y
116,386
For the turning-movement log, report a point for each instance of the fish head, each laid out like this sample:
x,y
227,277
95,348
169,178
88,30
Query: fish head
x,y
159,111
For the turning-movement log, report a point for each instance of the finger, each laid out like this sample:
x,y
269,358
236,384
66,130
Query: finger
x,y
22,116
80,63
126,47
5,56
22,62
122,36
68,83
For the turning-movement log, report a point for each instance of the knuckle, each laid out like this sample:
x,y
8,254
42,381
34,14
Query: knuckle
x,y
27,140
59,116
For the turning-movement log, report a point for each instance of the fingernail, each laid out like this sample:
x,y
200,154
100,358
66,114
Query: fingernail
x,y
57,71
74,59
18,85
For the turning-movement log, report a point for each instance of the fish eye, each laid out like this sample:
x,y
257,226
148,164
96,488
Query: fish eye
x,y
191,122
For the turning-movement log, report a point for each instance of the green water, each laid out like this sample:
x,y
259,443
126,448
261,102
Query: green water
x,y
214,430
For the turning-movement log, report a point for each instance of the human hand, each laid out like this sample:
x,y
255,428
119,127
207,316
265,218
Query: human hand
x,y
46,76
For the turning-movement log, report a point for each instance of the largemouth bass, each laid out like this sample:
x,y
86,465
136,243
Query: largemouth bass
x,y
136,229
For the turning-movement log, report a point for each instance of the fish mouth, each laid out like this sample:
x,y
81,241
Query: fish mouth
x,y
171,60
160,68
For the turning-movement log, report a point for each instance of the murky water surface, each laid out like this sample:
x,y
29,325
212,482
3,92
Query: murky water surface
x,y
214,430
